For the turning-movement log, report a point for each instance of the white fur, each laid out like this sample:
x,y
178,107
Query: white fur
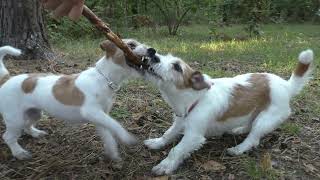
x,y
20,111
306,56
202,122
4,51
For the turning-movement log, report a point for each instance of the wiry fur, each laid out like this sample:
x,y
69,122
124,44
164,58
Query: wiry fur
x,y
203,120
21,109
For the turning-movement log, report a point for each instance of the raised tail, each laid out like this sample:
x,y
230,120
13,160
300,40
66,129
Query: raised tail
x,y
4,51
302,73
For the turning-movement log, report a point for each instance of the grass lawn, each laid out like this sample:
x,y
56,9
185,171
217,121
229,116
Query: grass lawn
x,y
75,152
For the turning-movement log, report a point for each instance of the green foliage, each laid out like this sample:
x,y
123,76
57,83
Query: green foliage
x,y
127,14
66,29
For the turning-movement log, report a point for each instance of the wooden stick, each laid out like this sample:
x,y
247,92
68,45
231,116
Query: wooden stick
x,y
103,27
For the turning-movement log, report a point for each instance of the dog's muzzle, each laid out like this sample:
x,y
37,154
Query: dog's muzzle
x,y
147,60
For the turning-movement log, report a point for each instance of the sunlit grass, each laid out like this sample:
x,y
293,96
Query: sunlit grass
x,y
276,50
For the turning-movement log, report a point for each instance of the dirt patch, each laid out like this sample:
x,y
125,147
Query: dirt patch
x,y
75,152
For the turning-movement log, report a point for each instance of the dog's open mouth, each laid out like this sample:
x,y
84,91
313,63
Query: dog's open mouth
x,y
144,67
140,68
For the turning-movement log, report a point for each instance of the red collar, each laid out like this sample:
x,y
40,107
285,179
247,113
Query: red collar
x,y
193,105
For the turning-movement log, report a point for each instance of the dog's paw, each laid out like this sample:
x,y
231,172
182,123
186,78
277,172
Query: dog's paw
x,y
23,155
239,130
113,156
38,133
128,139
155,143
234,151
166,166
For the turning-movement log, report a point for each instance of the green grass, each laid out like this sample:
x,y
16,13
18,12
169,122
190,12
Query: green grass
x,y
290,128
256,172
277,50
120,113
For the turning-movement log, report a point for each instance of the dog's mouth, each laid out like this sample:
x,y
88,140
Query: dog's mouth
x,y
139,68
147,63
152,72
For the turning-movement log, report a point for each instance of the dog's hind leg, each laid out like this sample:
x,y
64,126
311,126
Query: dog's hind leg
x,y
31,116
14,126
265,123
109,143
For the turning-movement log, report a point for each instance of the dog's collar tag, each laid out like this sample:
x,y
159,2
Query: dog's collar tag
x,y
111,84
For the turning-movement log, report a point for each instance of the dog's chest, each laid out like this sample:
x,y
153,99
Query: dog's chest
x,y
105,99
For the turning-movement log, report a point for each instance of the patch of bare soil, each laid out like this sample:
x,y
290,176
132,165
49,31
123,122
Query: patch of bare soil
x,y
75,152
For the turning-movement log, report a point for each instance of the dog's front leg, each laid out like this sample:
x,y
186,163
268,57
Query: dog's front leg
x,y
168,136
195,127
190,142
100,118
109,143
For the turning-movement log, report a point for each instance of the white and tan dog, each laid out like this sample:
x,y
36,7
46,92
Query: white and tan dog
x,y
78,98
254,103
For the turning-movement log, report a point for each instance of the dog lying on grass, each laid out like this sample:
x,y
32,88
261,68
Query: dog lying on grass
x,y
86,97
255,103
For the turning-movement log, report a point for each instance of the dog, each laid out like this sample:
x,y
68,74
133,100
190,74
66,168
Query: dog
x,y
86,97
254,103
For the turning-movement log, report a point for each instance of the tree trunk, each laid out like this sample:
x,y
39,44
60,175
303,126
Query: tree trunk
x,y
22,26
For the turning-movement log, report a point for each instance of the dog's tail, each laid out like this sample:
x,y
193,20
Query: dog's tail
x,y
4,51
302,73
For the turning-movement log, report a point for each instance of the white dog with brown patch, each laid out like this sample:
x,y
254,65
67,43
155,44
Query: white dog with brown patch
x,y
79,98
255,103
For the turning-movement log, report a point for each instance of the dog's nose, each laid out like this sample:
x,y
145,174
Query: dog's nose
x,y
155,59
151,52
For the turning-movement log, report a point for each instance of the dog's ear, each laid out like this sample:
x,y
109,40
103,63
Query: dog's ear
x,y
198,82
109,47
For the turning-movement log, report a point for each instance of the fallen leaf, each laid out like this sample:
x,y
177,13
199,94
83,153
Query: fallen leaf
x,y
213,166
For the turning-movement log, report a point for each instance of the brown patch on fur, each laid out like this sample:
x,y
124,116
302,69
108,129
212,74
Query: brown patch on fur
x,y
113,52
245,100
66,92
191,78
4,79
109,47
301,69
30,83
187,74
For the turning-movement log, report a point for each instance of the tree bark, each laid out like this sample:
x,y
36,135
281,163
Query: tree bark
x,y
22,26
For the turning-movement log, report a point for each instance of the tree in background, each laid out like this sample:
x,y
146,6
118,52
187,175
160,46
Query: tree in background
x,y
22,26
174,12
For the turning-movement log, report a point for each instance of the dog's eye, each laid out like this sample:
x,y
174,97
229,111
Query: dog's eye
x,y
177,67
132,45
